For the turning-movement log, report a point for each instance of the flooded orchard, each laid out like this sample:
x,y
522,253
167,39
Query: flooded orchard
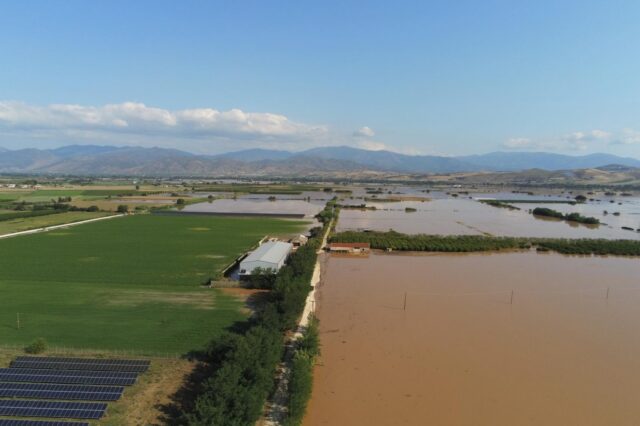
x,y
564,350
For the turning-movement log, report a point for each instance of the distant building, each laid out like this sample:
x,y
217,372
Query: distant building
x,y
351,248
299,241
269,256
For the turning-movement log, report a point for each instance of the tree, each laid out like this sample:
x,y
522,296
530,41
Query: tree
x,y
37,346
180,201
261,278
123,208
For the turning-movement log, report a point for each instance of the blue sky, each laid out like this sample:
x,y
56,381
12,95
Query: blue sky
x,y
432,77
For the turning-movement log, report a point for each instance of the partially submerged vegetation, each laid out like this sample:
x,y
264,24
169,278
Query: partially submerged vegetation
x,y
569,217
476,243
500,204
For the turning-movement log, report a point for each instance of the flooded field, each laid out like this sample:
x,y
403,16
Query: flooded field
x,y
466,216
258,205
563,351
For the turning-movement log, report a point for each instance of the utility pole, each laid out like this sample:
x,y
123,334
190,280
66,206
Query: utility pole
x,y
511,297
607,293
404,308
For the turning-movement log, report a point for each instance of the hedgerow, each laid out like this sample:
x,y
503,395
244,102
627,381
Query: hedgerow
x,y
479,243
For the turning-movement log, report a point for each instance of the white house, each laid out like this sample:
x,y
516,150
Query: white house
x,y
269,256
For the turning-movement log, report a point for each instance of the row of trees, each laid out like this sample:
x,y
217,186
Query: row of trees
x,y
571,217
454,243
477,243
25,214
591,246
500,204
301,378
243,365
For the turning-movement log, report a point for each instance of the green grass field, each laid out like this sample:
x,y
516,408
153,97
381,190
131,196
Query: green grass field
x,y
130,283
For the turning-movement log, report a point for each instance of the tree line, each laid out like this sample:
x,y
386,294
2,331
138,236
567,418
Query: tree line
x,y
571,217
479,243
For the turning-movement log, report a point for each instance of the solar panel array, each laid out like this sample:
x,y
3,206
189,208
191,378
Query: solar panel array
x,y
10,422
58,388
66,410
122,365
29,375
58,391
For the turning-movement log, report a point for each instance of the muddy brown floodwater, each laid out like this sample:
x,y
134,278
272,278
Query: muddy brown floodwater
x,y
563,353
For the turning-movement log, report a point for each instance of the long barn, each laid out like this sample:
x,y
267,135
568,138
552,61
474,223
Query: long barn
x,y
269,256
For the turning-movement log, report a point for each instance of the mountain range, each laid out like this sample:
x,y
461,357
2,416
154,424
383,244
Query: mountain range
x,y
138,161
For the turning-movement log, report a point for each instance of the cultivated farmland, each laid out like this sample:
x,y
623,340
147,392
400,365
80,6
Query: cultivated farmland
x,y
130,283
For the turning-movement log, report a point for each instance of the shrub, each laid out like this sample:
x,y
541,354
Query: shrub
x,y
38,346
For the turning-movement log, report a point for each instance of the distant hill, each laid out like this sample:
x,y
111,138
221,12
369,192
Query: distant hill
x,y
256,155
393,161
108,160
79,150
511,161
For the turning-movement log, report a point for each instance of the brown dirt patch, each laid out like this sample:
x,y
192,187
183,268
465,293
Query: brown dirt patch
x,y
142,403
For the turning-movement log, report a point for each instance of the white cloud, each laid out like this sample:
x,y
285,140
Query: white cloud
x,y
137,123
576,141
629,137
372,145
364,132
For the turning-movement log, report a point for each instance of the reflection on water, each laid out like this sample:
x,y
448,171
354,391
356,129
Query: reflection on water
x,y
565,352
463,215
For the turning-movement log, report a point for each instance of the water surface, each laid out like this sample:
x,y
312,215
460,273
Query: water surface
x,y
564,353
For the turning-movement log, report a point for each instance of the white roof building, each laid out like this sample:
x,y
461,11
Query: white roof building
x,y
270,255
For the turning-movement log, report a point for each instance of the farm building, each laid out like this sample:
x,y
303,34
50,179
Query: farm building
x,y
299,241
270,255
351,248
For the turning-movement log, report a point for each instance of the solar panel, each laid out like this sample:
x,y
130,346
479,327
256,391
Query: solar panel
x,y
64,376
60,391
58,365
9,422
79,373
103,363
52,409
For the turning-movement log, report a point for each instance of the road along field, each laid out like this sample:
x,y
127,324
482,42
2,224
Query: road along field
x,y
131,283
